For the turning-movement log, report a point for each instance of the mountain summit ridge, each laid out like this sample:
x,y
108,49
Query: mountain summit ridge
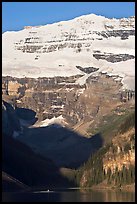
x,y
82,17
85,41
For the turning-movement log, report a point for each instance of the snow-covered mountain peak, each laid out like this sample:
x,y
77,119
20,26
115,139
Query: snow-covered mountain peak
x,y
87,19
58,49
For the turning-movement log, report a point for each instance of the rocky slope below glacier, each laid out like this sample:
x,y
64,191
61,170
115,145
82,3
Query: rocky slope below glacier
x,y
60,100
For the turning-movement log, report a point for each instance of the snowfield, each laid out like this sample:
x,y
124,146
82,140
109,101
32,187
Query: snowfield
x,y
62,40
56,121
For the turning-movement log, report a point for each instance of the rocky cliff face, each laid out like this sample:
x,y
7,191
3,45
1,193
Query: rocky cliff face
x,y
62,97
122,154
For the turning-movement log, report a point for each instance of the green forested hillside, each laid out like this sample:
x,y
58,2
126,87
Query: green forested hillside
x,y
100,168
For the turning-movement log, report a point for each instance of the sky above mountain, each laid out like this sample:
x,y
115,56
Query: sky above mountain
x,y
16,15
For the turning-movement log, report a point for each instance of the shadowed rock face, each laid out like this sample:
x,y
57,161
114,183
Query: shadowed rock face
x,y
20,162
64,146
10,121
114,58
87,70
25,113
10,184
124,34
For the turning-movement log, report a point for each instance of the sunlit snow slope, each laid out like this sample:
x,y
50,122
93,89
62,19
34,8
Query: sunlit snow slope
x,y
58,49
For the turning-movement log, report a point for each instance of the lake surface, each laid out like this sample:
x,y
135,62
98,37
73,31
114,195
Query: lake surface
x,y
70,196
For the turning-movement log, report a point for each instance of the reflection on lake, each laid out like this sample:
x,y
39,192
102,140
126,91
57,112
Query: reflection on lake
x,y
70,196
